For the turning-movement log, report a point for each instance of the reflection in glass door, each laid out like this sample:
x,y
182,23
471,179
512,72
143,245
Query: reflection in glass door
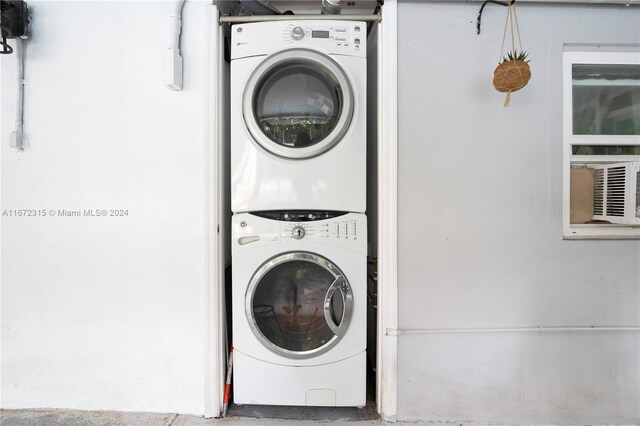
x,y
298,103
299,304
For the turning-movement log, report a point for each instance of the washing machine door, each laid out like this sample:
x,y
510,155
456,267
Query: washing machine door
x,y
298,103
299,304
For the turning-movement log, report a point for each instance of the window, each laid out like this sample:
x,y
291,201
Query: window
x,y
601,156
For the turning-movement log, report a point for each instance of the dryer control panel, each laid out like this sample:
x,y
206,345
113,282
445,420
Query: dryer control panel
x,y
330,36
347,37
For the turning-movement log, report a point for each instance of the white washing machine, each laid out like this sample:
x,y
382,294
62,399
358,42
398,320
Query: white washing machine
x,y
299,308
298,116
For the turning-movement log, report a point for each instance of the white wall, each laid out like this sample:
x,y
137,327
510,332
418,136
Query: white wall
x,y
105,313
480,230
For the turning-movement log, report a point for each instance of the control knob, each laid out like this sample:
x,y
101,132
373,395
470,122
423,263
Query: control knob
x,y
297,33
298,232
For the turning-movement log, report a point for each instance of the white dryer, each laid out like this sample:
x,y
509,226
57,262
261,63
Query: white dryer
x,y
298,116
299,308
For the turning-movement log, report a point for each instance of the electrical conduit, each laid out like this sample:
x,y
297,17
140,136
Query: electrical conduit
x,y
172,61
18,141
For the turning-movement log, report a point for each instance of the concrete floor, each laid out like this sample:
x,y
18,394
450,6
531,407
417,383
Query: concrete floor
x,y
48,417
238,415
367,412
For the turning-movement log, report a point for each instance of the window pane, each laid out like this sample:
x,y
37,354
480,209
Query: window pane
x,y
606,99
605,149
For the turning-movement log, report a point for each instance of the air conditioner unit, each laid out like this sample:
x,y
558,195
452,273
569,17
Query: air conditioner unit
x,y
616,193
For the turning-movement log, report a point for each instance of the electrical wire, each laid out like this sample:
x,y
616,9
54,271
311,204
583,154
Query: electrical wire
x,y
6,48
179,10
18,133
20,111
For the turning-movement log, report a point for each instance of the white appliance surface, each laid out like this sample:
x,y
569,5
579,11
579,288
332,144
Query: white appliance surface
x,y
292,81
290,350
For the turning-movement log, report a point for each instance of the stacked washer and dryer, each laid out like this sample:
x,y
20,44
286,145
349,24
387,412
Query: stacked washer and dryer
x,y
298,194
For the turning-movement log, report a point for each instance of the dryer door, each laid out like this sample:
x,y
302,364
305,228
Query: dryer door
x,y
299,304
298,103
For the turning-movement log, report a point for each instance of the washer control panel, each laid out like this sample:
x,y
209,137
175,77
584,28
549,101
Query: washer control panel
x,y
333,229
338,229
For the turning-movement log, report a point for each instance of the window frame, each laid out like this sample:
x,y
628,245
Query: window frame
x,y
592,231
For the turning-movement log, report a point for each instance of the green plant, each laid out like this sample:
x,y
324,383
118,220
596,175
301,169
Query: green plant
x,y
515,56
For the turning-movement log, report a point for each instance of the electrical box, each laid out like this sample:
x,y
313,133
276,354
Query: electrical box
x,y
15,19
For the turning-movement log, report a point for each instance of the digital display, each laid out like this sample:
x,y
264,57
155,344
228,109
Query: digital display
x,y
319,34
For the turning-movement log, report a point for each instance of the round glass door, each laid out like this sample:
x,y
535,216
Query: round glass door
x,y
298,103
299,304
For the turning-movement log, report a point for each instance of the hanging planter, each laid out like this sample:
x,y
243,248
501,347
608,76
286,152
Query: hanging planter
x,y
512,72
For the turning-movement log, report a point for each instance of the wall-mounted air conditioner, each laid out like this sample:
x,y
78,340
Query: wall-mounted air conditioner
x,y
616,193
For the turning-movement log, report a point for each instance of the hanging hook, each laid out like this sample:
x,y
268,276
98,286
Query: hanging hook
x,y
501,3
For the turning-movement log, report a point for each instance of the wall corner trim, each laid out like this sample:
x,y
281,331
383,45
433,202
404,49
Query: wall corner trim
x,y
214,299
386,368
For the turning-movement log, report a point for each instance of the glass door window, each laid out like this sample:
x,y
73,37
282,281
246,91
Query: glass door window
x,y
299,304
298,104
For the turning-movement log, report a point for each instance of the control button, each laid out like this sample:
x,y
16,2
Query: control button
x,y
298,232
357,41
297,33
357,29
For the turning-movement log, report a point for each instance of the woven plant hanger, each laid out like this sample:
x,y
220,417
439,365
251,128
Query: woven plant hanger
x,y
512,75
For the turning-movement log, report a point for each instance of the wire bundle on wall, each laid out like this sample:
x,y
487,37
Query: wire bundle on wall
x,y
4,25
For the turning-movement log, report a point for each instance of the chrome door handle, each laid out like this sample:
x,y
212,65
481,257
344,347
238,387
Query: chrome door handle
x,y
339,284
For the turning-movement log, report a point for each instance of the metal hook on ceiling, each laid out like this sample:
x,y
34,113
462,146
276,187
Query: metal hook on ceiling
x,y
501,3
